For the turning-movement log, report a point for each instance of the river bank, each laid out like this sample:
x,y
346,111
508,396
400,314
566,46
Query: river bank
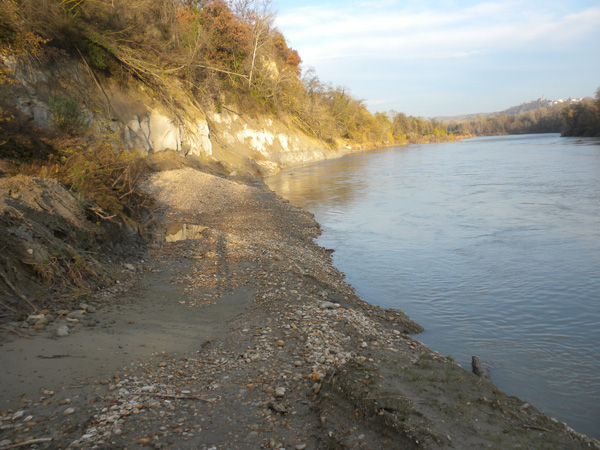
x,y
247,337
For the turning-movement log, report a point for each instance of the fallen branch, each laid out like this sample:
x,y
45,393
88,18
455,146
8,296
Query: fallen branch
x,y
394,397
9,307
67,355
179,397
533,427
29,442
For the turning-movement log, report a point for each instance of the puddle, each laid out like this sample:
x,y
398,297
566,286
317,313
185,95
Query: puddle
x,y
182,231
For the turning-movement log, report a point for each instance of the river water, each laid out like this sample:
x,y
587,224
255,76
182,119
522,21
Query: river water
x,y
492,244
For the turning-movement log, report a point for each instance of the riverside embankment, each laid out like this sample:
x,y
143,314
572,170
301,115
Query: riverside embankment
x,y
247,337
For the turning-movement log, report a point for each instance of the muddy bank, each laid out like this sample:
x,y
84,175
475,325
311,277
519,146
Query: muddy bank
x,y
247,337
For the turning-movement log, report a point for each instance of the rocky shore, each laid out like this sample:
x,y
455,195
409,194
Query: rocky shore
x,y
236,332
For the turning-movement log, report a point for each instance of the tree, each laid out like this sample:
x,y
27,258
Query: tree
x,y
259,16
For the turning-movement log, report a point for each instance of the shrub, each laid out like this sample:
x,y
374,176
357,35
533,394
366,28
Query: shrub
x,y
66,115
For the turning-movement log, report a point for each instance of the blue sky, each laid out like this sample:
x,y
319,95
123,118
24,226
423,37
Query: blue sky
x,y
446,57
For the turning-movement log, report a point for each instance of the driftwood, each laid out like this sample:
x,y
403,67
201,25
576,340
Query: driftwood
x,y
12,331
67,355
478,368
179,397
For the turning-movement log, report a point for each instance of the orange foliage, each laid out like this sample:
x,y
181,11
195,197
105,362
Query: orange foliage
x,y
229,36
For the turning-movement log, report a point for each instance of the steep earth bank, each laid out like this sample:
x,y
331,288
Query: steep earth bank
x,y
244,336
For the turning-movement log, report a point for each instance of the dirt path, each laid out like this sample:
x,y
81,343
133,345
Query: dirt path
x,y
295,359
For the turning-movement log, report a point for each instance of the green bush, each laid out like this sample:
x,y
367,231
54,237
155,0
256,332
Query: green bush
x,y
66,115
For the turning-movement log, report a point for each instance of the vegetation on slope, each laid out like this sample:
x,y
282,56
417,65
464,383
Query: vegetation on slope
x,y
213,53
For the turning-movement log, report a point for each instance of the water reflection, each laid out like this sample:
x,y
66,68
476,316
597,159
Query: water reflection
x,y
176,231
330,184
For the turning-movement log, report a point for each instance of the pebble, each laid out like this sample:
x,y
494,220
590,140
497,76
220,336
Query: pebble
x,y
62,331
18,415
68,411
279,392
328,305
87,308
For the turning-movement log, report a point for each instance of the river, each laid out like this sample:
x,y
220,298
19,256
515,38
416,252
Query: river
x,y
492,244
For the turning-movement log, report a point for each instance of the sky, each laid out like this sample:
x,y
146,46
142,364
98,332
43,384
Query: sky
x,y
434,58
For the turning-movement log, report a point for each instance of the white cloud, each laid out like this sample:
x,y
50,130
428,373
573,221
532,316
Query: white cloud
x,y
385,31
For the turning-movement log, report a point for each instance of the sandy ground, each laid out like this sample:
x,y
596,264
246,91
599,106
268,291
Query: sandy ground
x,y
247,337
147,320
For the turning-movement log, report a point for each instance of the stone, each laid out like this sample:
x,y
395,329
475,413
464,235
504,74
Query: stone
x,y
34,318
76,314
62,331
18,415
68,411
129,267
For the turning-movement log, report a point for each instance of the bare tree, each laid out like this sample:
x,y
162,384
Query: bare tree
x,y
260,15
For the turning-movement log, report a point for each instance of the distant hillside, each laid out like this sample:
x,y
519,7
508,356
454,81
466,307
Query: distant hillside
x,y
571,117
514,110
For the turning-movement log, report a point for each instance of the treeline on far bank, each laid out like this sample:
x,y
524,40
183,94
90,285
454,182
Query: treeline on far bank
x,y
580,118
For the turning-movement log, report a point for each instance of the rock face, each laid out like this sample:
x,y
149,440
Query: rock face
x,y
158,132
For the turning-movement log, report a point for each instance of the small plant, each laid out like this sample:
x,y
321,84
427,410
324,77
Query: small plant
x,y
66,115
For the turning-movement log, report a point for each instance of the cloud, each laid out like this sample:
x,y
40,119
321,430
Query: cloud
x,y
385,30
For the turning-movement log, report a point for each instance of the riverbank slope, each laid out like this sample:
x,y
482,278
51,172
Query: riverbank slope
x,y
247,337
